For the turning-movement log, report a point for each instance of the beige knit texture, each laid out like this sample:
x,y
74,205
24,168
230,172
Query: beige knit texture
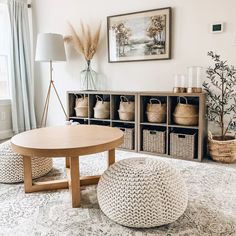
x,y
142,193
11,165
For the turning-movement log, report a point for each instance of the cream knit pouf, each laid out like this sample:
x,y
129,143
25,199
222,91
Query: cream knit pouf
x,y
142,193
11,165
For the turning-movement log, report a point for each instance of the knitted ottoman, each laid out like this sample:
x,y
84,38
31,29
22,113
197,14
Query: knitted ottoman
x,y
142,193
11,165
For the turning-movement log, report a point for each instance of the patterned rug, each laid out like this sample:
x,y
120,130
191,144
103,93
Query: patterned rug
x,y
211,209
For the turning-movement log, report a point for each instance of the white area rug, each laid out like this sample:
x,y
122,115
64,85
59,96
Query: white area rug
x,y
211,209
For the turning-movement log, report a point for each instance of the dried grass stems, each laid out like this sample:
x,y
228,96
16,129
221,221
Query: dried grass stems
x,y
84,42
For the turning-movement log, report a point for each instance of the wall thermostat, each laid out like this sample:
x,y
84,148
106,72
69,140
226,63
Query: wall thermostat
x,y
217,27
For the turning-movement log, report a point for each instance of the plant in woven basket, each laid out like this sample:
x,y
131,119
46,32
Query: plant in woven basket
x,y
85,43
221,102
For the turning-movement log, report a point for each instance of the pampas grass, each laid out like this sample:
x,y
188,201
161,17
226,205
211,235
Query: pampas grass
x,y
84,41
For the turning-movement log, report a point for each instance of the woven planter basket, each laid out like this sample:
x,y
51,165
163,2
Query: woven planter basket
x,y
222,151
101,109
126,109
185,114
81,106
156,112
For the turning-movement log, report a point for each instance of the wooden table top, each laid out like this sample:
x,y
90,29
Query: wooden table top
x,y
67,141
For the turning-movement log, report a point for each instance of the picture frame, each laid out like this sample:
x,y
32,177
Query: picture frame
x,y
139,36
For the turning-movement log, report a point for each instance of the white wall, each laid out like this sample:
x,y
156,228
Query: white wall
x,y
190,42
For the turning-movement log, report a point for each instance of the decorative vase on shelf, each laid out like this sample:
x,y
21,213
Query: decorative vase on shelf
x,y
88,78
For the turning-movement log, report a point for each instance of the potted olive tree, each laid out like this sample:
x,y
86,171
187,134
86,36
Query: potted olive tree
x,y
220,87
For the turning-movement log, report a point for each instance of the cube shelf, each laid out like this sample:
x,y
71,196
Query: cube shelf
x,y
113,120
140,122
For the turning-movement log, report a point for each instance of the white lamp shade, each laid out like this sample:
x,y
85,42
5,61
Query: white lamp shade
x,y
50,47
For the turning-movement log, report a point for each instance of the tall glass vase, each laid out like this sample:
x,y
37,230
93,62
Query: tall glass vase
x,y
88,78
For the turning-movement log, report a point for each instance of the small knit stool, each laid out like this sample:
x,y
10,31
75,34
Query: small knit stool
x,y
11,165
142,193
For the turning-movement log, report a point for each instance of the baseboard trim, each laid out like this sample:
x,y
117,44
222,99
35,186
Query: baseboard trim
x,y
5,134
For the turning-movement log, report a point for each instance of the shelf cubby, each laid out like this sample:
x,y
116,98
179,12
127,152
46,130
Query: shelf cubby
x,y
93,100
182,132
151,128
72,101
144,100
115,103
173,101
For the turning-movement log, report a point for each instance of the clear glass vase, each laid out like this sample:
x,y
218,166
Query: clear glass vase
x,y
88,78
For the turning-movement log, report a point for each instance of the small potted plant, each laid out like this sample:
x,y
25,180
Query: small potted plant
x,y
221,102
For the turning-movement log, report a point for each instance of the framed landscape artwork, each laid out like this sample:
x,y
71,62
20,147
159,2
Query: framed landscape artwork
x,y
139,36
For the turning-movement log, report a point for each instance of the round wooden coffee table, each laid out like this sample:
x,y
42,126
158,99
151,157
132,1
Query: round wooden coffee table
x,y
69,142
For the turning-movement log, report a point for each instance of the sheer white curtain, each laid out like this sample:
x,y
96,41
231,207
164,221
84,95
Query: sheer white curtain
x,y
4,52
20,67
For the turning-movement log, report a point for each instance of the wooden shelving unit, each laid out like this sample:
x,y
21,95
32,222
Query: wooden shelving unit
x,y
140,122
113,121
169,126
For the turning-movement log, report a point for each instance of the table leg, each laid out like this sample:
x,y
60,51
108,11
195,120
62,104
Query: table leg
x,y
75,181
111,157
27,174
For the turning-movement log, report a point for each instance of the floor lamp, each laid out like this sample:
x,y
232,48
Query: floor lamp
x,y
50,48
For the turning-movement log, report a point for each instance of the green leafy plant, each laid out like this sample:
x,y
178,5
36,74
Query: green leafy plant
x,y
221,94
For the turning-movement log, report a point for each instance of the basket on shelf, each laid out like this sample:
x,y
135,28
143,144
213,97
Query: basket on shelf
x,y
154,141
185,114
101,109
156,112
128,138
126,109
182,145
81,106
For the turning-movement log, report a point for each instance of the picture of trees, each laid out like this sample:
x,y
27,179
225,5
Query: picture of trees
x,y
143,36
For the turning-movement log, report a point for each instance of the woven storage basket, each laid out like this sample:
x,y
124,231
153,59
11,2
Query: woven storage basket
x,y
156,112
101,109
81,112
222,151
185,114
182,145
154,141
128,138
126,109
81,106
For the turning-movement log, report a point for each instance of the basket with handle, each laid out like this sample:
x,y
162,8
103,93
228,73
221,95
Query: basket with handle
x,y
101,109
154,141
185,114
156,112
128,138
81,105
126,109
182,145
